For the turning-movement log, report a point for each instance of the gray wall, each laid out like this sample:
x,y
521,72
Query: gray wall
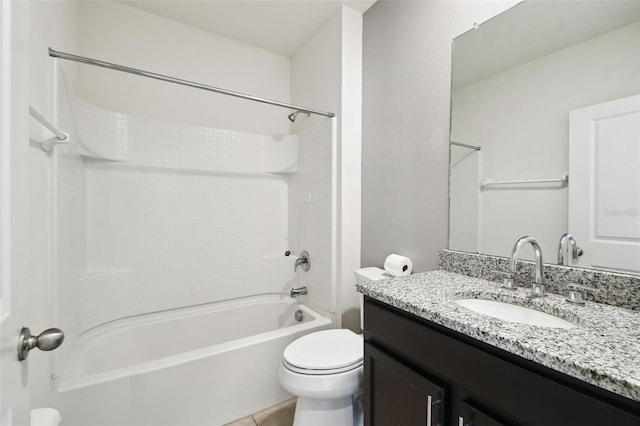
x,y
405,134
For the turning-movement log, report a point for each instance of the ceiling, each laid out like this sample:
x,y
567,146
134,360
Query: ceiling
x,y
533,29
280,26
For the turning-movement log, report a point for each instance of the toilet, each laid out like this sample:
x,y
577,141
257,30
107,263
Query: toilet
x,y
325,371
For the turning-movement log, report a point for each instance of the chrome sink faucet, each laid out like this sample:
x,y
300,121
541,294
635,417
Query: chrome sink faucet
x,y
575,251
537,284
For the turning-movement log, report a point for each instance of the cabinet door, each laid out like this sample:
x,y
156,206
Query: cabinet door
x,y
472,416
395,395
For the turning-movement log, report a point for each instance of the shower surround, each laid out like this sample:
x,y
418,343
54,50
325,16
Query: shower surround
x,y
172,210
155,216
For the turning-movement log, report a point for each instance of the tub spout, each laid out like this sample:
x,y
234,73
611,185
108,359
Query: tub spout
x,y
298,291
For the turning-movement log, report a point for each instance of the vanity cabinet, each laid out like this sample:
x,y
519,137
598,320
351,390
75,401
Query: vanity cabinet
x,y
420,373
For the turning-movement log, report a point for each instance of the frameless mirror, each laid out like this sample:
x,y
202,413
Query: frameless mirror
x,y
545,133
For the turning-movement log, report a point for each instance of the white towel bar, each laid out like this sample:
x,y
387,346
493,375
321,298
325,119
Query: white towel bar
x,y
563,181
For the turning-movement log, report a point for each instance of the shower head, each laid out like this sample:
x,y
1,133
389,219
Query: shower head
x,y
294,115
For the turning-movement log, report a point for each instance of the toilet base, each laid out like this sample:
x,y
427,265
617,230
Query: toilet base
x,y
334,412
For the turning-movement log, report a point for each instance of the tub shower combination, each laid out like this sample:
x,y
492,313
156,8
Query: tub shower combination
x,y
206,364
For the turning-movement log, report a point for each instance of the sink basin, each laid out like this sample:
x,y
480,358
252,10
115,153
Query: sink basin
x,y
514,313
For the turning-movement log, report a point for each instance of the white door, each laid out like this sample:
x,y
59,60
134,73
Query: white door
x,y
604,190
14,250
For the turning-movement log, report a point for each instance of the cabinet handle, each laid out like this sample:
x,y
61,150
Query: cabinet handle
x,y
430,404
462,423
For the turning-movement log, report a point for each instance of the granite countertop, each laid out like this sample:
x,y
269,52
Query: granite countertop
x,y
603,350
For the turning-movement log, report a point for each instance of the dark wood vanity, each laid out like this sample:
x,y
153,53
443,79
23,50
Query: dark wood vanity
x,y
421,373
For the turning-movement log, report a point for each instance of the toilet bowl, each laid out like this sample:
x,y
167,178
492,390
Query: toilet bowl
x,y
325,371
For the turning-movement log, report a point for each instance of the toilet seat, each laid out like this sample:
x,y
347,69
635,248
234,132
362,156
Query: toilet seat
x,y
318,372
324,352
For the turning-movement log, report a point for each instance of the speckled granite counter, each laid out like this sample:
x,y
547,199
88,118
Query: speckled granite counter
x,y
603,350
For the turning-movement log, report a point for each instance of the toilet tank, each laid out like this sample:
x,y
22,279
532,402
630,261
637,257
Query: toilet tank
x,y
368,274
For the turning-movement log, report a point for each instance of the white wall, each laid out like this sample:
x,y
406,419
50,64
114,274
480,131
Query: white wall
x,y
405,149
315,80
520,117
117,33
51,24
326,74
350,168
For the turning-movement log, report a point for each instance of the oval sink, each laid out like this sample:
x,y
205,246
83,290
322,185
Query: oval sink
x,y
514,313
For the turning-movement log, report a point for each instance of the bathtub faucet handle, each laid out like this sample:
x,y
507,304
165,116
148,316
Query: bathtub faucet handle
x,y
303,261
298,291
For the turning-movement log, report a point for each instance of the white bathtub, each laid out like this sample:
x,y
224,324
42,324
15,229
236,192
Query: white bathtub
x,y
205,365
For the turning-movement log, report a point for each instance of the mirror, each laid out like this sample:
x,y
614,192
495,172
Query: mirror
x,y
545,133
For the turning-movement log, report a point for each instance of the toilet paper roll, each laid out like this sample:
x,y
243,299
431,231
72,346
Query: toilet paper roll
x,y
398,266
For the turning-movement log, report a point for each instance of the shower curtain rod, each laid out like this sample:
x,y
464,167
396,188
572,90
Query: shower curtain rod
x,y
84,60
477,148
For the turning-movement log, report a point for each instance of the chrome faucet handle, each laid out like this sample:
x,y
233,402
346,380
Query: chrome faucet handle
x,y
507,279
304,262
576,293
539,289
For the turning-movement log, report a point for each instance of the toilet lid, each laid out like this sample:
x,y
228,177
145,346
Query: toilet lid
x,y
325,350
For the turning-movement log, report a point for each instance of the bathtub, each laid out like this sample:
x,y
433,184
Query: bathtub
x,y
205,365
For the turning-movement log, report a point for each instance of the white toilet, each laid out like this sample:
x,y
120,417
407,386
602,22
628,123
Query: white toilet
x,y
325,371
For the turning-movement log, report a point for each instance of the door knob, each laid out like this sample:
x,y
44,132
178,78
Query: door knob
x,y
48,340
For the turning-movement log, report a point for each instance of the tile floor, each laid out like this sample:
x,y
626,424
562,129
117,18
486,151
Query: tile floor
x,y
278,415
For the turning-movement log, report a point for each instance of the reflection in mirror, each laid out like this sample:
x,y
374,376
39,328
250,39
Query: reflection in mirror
x,y
545,133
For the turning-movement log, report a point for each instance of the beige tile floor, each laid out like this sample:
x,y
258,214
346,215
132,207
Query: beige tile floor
x,y
278,415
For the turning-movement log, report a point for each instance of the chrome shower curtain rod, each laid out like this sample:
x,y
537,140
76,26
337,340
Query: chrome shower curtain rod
x,y
477,148
84,60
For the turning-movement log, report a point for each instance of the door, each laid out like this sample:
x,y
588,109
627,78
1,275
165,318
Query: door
x,y
604,190
395,395
14,209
